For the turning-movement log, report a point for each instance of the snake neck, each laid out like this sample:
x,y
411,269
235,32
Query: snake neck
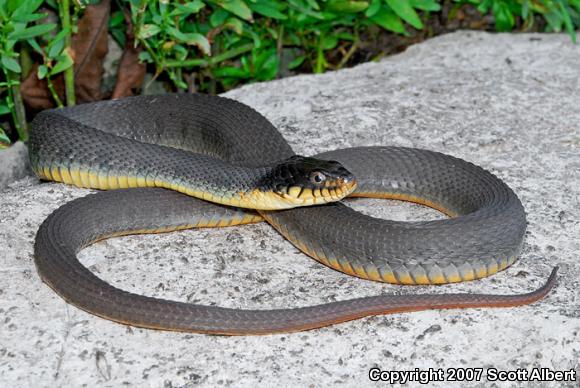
x,y
222,183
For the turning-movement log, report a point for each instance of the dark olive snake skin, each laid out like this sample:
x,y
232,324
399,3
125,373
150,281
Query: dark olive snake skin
x,y
177,138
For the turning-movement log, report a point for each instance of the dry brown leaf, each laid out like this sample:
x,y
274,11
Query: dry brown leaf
x,y
130,73
89,48
35,92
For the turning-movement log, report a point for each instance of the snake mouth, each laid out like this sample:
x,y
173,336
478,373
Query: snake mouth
x,y
288,197
332,190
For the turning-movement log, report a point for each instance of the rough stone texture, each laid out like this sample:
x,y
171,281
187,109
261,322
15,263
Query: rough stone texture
x,y
509,103
13,164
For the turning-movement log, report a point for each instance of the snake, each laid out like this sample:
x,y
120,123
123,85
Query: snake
x,y
179,161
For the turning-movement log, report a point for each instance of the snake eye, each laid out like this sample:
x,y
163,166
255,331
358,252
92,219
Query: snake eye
x,y
317,177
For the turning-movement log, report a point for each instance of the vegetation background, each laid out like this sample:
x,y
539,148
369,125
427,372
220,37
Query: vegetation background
x,y
53,51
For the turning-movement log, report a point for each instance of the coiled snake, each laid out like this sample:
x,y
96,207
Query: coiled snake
x,y
215,149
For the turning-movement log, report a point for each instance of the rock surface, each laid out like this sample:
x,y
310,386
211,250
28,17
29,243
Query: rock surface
x,y
13,164
509,103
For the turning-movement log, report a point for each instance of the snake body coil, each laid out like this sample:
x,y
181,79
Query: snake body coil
x,y
211,147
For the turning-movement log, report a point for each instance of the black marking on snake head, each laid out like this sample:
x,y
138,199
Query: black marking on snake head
x,y
306,172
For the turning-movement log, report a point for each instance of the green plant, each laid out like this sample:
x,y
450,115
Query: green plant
x,y
16,17
21,29
245,40
4,139
214,45
239,41
558,14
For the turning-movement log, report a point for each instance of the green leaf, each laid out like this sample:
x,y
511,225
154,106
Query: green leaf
x,y
119,36
235,24
389,21
404,10
64,61
30,17
328,42
188,8
4,139
313,4
237,7
218,17
269,69
177,79
345,36
148,30
31,32
144,56
296,62
61,34
11,64
3,110
373,8
483,7
273,32
426,5
26,8
191,38
52,4
304,10
230,71
265,8
245,63
525,9
116,19
56,44
262,60
156,19
199,41
567,21
42,71
346,6
554,20
55,48
255,37
34,44
504,19
181,52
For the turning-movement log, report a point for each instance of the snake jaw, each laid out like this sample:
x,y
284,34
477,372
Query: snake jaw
x,y
307,196
287,197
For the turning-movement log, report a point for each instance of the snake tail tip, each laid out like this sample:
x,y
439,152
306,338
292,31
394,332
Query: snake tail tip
x,y
550,283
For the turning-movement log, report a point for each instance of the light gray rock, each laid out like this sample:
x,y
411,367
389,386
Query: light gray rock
x,y
509,103
13,164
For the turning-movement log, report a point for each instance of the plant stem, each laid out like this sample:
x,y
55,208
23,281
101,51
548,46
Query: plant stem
x,y
69,74
22,127
352,49
347,56
320,59
280,43
156,61
16,105
53,92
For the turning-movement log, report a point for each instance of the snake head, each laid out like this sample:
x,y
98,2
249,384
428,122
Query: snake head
x,y
303,181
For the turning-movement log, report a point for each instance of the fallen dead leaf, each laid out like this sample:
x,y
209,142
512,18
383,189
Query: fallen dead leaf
x,y
88,49
130,73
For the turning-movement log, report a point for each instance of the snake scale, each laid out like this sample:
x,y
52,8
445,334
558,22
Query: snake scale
x,y
189,160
